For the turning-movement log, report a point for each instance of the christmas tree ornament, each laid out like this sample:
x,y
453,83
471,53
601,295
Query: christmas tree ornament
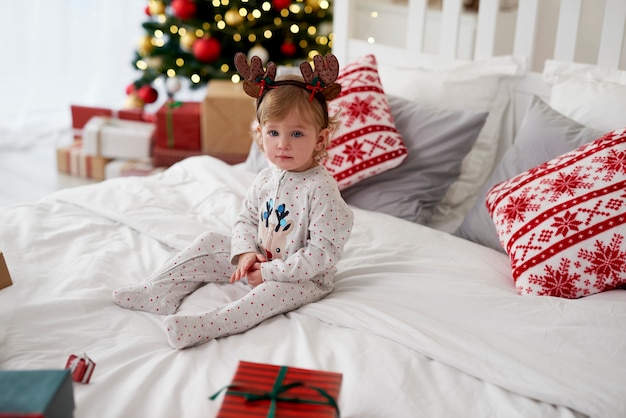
x,y
289,49
233,18
187,40
184,9
130,89
207,49
281,4
260,52
145,46
156,7
173,86
147,94
313,4
133,102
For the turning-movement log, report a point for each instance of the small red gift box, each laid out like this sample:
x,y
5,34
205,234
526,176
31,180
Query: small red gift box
x,y
264,390
178,126
81,367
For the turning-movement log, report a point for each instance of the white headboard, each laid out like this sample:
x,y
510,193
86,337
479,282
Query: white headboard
x,y
405,31
590,31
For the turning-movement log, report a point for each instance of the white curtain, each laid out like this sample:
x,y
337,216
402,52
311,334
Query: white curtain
x,y
54,53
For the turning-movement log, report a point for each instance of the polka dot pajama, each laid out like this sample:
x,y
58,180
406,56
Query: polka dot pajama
x,y
206,260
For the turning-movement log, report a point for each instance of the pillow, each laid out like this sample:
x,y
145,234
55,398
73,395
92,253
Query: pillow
x,y
437,140
483,85
367,142
589,94
563,223
543,135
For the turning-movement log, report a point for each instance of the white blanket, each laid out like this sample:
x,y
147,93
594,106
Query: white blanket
x,y
405,294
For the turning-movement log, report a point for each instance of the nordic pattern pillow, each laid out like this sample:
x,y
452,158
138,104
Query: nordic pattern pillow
x,y
367,142
563,223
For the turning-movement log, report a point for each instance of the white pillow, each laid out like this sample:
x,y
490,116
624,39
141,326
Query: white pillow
x,y
588,94
483,85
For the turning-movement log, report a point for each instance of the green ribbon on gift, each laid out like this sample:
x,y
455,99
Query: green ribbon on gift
x,y
275,394
169,120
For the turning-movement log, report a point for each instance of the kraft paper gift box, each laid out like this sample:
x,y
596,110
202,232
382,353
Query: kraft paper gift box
x,y
36,393
227,116
178,126
5,276
264,390
82,114
73,160
117,138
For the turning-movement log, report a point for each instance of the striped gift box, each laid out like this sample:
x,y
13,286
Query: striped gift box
x,y
263,390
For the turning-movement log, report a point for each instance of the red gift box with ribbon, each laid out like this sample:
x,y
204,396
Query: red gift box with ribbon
x,y
83,114
81,367
269,391
178,126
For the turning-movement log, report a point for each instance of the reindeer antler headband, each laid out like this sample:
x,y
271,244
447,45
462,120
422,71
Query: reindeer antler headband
x,y
321,82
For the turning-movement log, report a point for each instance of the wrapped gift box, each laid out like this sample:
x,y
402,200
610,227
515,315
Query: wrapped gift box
x,y
227,116
36,393
262,390
73,160
165,157
178,126
117,138
81,367
125,168
5,277
82,114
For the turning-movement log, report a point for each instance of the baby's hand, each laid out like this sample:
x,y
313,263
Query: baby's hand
x,y
245,263
254,275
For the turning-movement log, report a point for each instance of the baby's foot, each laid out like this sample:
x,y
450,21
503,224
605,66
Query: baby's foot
x,y
188,330
146,296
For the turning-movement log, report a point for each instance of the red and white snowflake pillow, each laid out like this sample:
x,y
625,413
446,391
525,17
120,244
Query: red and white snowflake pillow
x,y
563,223
367,142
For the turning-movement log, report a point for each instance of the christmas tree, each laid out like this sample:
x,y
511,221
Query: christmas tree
x,y
196,40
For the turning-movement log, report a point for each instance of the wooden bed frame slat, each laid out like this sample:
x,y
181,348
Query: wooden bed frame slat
x,y
415,30
524,45
609,53
451,16
569,18
486,29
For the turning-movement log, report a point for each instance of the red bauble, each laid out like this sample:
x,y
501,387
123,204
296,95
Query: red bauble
x,y
148,94
207,49
288,49
130,89
281,4
147,11
184,9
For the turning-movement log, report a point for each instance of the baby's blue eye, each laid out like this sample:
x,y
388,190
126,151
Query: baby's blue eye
x,y
272,133
297,134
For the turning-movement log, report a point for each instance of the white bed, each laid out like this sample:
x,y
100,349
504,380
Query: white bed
x,y
422,322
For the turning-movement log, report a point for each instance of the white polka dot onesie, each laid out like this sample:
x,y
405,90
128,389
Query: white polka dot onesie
x,y
298,220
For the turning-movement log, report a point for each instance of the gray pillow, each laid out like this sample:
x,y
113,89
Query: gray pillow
x,y
437,141
543,135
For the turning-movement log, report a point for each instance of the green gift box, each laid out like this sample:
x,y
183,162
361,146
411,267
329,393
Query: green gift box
x,y
36,394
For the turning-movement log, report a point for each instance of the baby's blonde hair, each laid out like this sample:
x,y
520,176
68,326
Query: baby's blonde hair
x,y
277,103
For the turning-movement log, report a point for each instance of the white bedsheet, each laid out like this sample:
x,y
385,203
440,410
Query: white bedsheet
x,y
420,323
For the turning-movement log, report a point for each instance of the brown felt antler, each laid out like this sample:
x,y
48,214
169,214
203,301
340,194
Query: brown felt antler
x,y
322,80
255,78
